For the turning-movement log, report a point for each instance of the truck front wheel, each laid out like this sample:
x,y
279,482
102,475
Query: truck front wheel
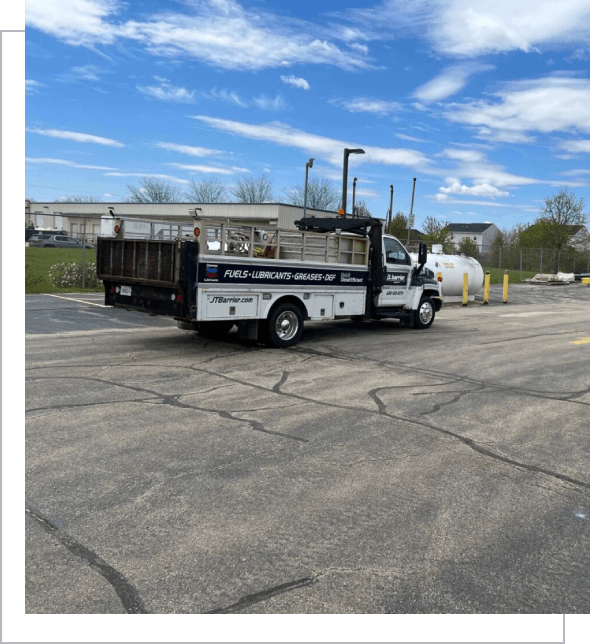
x,y
425,313
284,326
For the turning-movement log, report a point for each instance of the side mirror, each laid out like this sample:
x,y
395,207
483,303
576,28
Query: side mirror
x,y
422,253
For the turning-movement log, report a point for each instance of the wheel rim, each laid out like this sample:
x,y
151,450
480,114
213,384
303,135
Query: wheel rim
x,y
426,313
287,325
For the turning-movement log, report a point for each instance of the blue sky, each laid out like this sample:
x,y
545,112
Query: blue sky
x,y
486,103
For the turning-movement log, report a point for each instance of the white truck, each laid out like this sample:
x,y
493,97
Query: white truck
x,y
268,281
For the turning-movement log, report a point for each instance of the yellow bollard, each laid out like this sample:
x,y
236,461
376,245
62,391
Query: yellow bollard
x,y
465,288
486,289
505,294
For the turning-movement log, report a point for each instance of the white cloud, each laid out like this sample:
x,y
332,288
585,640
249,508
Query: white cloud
x,y
265,103
551,104
449,82
407,137
31,86
209,169
76,22
80,137
445,199
221,33
463,155
224,95
71,164
470,28
576,146
188,149
316,145
167,92
479,26
363,49
369,105
166,177
575,173
295,81
478,190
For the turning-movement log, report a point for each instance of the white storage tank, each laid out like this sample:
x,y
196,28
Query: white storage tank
x,y
452,268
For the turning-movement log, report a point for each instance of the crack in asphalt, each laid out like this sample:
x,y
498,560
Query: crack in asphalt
x,y
438,406
398,366
255,598
474,445
381,407
165,399
126,592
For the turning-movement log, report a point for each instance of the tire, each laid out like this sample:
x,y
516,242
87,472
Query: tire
x,y
284,326
49,246
425,313
218,329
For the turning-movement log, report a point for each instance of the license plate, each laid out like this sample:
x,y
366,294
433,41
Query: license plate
x,y
125,290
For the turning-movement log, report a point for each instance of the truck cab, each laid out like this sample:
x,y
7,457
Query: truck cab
x,y
406,287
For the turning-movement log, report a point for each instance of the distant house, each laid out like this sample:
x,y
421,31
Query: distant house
x,y
578,237
482,234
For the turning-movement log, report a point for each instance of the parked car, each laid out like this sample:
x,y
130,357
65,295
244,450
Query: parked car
x,y
56,241
31,232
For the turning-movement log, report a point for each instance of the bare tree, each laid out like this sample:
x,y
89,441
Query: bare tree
x,y
154,191
253,190
321,195
80,199
207,191
361,209
563,209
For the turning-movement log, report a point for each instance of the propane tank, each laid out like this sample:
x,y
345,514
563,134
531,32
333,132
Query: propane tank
x,y
452,268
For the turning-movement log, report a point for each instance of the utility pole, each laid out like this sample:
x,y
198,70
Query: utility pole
x,y
308,165
347,151
411,216
390,208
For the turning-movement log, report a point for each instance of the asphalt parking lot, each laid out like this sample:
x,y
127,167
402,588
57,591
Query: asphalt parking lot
x,y
370,469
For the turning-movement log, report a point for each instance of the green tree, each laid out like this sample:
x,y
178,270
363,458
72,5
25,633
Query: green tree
x,y
469,247
435,230
399,226
559,217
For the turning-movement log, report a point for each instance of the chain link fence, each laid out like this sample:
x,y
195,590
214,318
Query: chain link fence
x,y
81,231
517,258
77,231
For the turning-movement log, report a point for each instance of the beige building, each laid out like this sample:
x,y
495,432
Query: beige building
x,y
70,217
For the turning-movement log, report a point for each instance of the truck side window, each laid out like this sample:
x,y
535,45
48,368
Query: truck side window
x,y
395,253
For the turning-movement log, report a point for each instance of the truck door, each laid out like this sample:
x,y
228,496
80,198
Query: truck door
x,y
399,267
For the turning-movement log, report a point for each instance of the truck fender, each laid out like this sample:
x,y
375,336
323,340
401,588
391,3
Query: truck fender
x,y
293,300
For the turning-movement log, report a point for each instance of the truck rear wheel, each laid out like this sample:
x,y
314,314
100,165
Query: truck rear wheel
x,y
284,326
425,313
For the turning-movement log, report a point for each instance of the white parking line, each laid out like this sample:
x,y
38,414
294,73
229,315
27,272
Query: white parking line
x,y
72,299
